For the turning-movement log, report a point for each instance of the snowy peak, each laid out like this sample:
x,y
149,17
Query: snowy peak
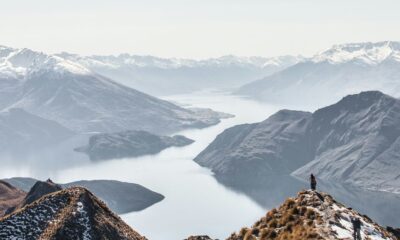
x,y
312,215
73,213
367,53
20,63
174,63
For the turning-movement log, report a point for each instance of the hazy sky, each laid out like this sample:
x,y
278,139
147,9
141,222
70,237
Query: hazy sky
x,y
195,28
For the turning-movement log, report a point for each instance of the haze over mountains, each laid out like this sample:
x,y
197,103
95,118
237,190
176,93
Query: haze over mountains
x,y
57,103
78,100
163,76
332,74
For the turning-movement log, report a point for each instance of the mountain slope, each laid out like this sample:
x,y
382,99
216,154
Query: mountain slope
x,y
10,196
312,215
161,76
58,89
73,213
20,129
330,75
353,141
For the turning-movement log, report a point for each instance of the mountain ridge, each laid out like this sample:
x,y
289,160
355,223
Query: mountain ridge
x,y
345,142
73,213
330,75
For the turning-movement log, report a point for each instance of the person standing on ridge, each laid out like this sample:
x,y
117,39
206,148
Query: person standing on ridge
x,y
313,182
357,228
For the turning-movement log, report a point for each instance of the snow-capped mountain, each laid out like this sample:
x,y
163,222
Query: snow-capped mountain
x,y
366,53
162,76
332,74
66,92
20,63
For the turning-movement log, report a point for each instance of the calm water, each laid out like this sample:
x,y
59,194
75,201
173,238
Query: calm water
x,y
195,203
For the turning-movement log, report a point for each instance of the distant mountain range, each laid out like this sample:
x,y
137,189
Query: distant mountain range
x,y
64,96
332,74
164,76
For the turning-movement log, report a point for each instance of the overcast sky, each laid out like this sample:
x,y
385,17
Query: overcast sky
x,y
195,28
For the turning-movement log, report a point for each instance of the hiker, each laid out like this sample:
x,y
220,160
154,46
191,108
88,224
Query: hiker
x,y
357,228
313,182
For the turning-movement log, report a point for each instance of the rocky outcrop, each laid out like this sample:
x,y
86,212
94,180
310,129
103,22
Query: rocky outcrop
x,y
129,144
73,213
312,215
202,237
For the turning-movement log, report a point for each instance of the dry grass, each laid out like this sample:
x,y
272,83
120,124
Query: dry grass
x,y
293,220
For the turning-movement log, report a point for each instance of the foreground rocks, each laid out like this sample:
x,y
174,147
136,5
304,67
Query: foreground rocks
x,y
311,215
73,213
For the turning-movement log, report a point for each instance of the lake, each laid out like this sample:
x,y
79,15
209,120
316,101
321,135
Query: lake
x,y
195,203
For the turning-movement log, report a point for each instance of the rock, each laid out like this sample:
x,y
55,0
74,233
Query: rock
x,y
202,237
311,215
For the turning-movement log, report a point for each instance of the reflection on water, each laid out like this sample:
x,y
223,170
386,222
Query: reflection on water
x,y
195,203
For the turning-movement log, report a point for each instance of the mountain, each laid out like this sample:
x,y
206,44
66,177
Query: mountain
x,y
20,129
312,215
164,76
328,76
39,189
73,213
352,142
10,196
129,144
121,197
64,91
